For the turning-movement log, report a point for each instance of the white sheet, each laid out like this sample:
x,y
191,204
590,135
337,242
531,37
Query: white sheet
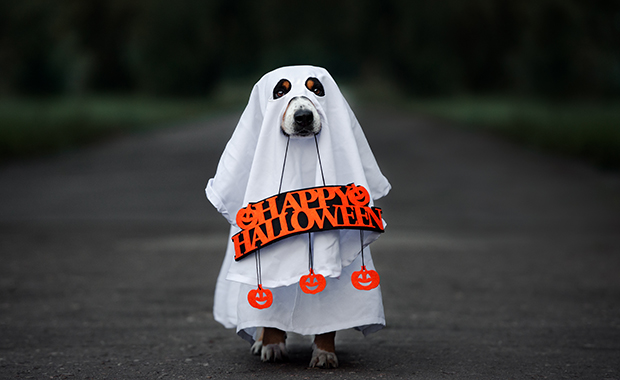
x,y
249,171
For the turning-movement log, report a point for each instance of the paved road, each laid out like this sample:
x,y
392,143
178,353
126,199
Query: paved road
x,y
498,263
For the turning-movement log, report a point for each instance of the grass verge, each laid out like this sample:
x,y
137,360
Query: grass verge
x,y
589,131
31,127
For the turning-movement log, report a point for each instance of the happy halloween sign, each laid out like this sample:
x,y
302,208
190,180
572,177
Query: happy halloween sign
x,y
308,210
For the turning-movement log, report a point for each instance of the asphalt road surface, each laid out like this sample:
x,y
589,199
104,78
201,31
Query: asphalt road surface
x,y
497,263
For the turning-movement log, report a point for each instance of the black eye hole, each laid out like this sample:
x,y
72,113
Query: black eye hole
x,y
281,89
315,85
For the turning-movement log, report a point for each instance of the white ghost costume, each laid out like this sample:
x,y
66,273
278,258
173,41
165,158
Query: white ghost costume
x,y
250,170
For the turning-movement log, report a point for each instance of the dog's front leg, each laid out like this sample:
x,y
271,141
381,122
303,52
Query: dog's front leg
x,y
271,345
324,351
258,343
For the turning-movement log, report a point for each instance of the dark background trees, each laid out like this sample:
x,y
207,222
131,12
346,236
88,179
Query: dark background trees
x,y
553,48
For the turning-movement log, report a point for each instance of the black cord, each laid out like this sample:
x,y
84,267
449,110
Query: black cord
x,y
288,140
362,244
319,156
258,268
310,256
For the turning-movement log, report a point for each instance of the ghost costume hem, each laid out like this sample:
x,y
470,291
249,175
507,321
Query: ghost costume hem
x,y
252,168
249,334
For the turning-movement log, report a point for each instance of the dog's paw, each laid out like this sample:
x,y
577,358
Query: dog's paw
x,y
273,352
257,347
323,359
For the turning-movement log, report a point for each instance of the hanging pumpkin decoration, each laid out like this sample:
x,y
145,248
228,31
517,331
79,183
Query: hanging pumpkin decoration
x,y
312,283
260,298
365,279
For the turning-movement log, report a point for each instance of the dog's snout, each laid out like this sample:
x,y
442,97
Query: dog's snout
x,y
303,118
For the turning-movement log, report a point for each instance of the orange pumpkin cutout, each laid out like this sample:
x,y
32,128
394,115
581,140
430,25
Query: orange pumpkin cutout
x,y
357,195
260,298
365,279
247,217
312,283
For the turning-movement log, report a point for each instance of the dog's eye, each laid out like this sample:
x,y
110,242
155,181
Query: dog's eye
x,y
281,89
315,85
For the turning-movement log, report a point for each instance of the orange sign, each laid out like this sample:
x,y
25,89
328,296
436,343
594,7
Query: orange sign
x,y
308,210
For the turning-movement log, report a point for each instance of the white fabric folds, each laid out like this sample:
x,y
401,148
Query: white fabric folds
x,y
250,170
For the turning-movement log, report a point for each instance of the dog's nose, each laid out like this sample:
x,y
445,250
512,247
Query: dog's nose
x,y
303,118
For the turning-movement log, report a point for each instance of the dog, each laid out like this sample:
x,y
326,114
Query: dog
x,y
301,108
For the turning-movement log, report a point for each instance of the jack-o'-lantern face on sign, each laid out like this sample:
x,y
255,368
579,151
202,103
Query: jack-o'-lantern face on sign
x,y
247,217
312,283
365,279
260,298
358,195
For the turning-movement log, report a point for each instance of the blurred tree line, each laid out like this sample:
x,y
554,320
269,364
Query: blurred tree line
x,y
555,48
